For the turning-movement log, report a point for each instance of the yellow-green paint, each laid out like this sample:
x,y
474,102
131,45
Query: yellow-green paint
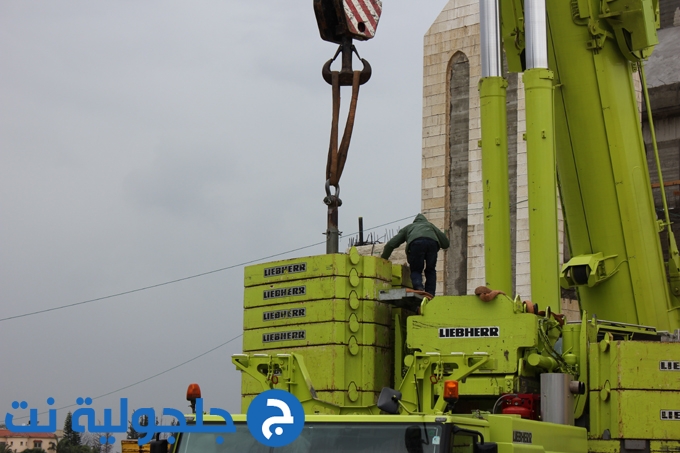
x,y
331,265
659,446
338,398
517,330
333,367
495,186
544,437
317,334
601,162
542,181
401,276
339,310
631,384
634,414
638,365
314,289
614,446
604,446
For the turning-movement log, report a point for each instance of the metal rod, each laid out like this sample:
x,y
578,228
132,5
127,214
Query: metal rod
x,y
346,56
361,230
643,79
536,34
490,38
332,233
673,253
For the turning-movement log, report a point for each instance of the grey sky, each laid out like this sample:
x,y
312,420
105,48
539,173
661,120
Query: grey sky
x,y
144,141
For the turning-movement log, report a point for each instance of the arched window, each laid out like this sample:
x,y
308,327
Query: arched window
x,y
458,167
511,100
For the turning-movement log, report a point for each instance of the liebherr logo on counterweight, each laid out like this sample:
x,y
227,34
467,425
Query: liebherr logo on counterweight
x,y
670,414
280,314
469,332
284,292
285,269
284,336
669,365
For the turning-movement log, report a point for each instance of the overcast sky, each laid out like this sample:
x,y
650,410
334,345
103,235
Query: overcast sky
x,y
147,141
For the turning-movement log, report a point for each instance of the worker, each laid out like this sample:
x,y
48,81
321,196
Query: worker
x,y
423,241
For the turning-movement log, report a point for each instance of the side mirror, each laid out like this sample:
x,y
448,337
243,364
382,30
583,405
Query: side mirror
x,y
158,446
388,401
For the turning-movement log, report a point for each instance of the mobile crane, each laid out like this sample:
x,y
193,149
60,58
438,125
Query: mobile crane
x,y
377,369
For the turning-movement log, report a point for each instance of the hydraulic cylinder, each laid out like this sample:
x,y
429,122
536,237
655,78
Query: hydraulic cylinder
x,y
542,181
541,161
492,94
497,251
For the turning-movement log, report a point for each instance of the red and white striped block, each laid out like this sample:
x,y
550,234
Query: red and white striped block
x,y
362,17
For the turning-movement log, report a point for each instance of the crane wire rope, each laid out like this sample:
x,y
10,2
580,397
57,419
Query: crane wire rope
x,y
202,274
147,378
169,282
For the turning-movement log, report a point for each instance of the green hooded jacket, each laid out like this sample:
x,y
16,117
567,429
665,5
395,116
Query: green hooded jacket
x,y
420,228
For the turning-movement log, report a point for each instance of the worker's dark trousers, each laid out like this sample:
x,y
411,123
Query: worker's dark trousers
x,y
422,254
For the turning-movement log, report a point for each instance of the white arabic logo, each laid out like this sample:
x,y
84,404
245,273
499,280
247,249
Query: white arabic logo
x,y
285,419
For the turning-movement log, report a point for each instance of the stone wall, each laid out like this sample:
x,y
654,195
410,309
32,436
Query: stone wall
x,y
670,13
452,167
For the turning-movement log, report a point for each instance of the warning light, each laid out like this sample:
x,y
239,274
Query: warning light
x,y
451,391
193,392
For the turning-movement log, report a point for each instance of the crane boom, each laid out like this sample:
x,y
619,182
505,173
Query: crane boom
x,y
617,264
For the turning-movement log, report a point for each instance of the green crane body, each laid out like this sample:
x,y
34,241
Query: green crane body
x,y
601,161
337,330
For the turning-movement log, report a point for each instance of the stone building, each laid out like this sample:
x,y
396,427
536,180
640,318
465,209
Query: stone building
x,y
18,442
451,156
452,165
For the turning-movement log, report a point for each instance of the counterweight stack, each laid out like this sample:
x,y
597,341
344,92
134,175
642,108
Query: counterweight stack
x,y
326,309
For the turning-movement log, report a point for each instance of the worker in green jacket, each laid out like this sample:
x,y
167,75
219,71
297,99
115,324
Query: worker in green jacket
x,y
423,241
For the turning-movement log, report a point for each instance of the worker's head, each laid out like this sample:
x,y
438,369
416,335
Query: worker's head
x,y
420,218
